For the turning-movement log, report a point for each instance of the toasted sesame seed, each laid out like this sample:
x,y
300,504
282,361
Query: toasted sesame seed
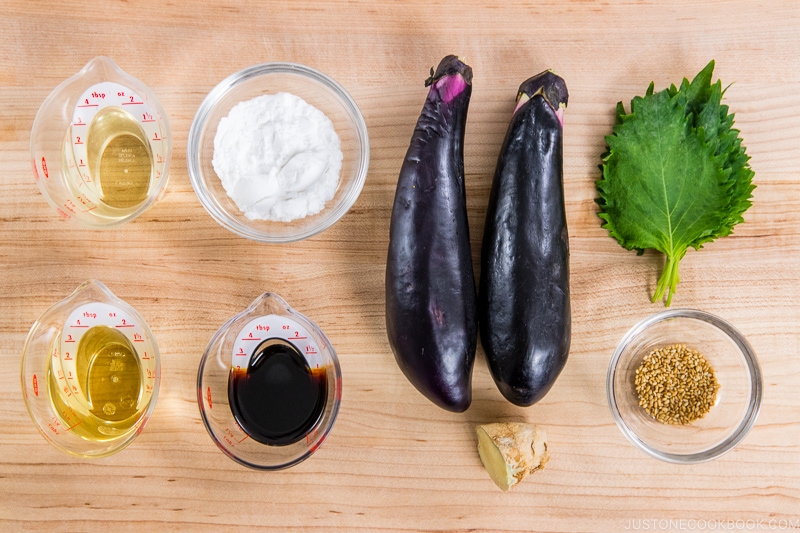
x,y
676,385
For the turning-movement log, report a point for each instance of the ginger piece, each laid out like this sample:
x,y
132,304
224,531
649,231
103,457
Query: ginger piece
x,y
511,450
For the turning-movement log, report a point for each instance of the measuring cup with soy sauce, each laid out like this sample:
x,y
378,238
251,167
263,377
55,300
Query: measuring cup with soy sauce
x,y
269,386
90,372
101,146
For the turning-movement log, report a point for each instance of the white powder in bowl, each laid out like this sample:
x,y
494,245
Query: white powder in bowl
x,y
277,157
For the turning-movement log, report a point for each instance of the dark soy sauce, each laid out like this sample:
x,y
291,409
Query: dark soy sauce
x,y
278,398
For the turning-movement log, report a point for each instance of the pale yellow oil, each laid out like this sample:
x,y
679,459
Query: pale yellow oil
x,y
109,376
119,162
119,157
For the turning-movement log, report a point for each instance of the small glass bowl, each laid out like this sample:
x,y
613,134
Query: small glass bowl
x,y
315,88
736,369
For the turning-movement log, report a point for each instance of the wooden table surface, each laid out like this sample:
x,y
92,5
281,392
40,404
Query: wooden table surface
x,y
395,462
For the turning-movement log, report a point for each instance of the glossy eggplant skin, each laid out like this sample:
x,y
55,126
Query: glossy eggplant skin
x,y
431,317
524,300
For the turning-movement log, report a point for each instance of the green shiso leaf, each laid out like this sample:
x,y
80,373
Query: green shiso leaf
x,y
675,174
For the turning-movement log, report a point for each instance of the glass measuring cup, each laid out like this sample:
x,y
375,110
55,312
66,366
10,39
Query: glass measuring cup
x,y
101,146
90,372
269,386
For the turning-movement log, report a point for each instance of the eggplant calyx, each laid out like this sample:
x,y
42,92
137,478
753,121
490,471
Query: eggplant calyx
x,y
549,86
450,79
449,66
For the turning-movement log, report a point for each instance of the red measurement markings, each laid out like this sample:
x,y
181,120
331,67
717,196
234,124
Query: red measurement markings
x,y
70,339
296,337
88,105
138,340
125,326
229,438
132,103
156,137
44,168
309,437
75,425
208,396
67,357
84,200
35,385
250,338
146,357
78,140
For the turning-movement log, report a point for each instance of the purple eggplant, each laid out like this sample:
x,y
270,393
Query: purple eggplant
x,y
431,317
523,302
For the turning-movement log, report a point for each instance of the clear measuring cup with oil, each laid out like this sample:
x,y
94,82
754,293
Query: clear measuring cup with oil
x,y
90,372
101,146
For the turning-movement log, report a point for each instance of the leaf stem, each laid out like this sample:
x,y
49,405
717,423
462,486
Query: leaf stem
x,y
668,281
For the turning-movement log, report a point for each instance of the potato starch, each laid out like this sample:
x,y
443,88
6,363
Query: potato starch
x,y
277,157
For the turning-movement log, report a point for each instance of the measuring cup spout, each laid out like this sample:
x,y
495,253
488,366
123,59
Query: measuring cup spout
x,y
269,303
102,67
92,288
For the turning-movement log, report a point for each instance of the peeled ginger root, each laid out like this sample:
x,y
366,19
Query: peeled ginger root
x,y
511,450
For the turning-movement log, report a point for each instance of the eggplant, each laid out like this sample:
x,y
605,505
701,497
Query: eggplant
x,y
523,300
431,317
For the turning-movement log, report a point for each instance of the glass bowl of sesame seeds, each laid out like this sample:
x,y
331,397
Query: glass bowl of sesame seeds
x,y
684,386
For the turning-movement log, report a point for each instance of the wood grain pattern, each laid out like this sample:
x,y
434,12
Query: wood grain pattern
x,y
394,462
